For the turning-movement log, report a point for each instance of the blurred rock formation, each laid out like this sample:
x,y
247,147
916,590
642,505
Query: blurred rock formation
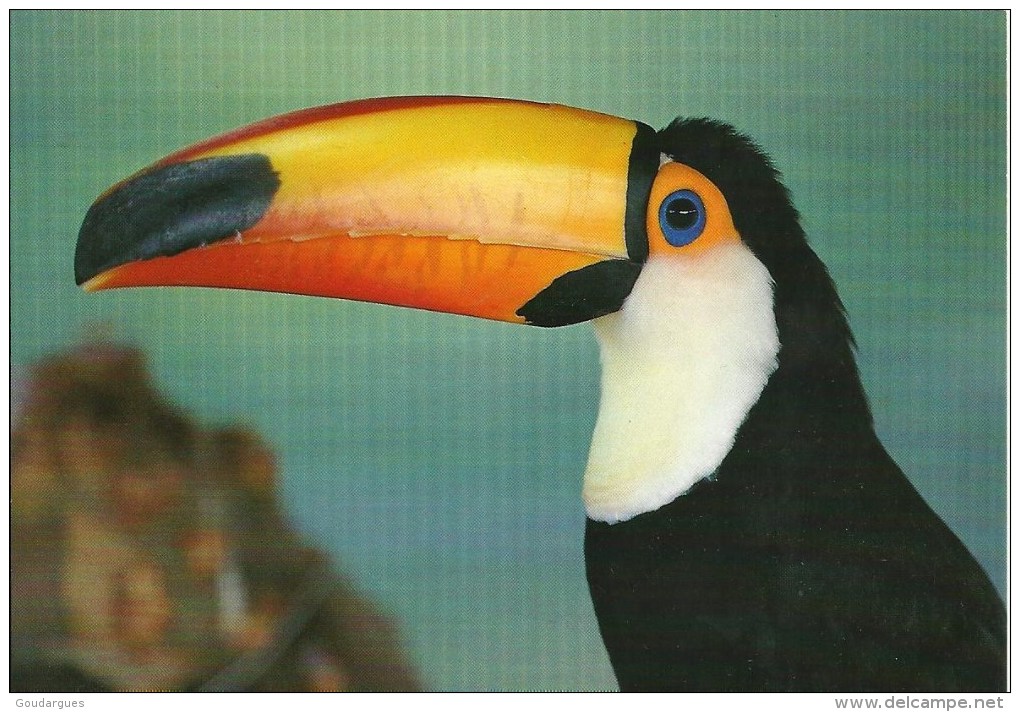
x,y
151,553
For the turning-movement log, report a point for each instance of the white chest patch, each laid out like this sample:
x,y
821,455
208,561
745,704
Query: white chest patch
x,y
683,362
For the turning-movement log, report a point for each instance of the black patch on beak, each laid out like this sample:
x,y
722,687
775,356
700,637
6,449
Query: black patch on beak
x,y
170,209
644,165
582,295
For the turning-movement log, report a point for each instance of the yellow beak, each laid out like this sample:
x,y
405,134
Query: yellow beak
x,y
498,209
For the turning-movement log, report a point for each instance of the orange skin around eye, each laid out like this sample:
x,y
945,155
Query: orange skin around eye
x,y
719,227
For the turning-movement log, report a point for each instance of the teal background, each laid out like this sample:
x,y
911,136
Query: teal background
x,y
438,458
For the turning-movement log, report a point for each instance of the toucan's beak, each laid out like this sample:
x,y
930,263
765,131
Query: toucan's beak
x,y
506,210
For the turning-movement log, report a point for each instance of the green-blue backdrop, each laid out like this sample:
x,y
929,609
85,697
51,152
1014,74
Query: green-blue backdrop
x,y
438,458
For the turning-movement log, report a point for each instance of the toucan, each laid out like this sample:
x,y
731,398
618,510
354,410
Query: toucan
x,y
746,529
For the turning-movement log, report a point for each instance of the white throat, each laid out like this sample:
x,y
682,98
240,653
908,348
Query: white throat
x,y
683,362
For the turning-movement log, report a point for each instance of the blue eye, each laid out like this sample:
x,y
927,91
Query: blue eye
x,y
682,217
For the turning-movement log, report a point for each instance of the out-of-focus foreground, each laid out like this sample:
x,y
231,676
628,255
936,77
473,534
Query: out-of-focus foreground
x,y
150,553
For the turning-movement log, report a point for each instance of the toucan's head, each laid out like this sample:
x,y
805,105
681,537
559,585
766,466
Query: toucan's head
x,y
516,211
